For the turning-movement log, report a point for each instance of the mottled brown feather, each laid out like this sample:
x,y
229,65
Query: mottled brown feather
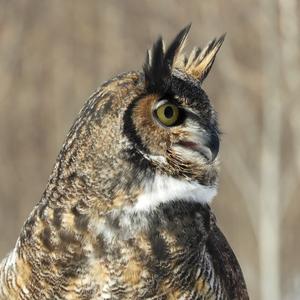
x,y
86,239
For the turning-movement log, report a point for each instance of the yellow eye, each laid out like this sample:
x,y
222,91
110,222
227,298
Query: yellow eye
x,y
167,114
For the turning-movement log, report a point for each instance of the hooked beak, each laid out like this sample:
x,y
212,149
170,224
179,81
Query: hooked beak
x,y
213,144
208,146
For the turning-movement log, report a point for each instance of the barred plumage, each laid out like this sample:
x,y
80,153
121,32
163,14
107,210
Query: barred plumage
x,y
125,214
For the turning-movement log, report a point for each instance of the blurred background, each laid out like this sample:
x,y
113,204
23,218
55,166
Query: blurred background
x,y
54,54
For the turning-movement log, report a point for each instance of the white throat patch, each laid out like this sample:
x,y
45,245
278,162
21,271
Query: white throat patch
x,y
165,189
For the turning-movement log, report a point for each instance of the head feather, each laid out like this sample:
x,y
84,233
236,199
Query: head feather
x,y
200,62
159,63
177,45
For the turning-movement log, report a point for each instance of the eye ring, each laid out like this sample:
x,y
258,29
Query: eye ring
x,y
167,113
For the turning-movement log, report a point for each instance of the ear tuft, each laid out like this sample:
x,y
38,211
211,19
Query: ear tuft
x,y
200,62
154,66
177,45
159,63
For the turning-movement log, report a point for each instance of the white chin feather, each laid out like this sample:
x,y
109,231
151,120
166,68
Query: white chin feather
x,y
165,189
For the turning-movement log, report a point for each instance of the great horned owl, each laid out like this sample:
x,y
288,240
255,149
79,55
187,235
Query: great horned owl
x,y
126,213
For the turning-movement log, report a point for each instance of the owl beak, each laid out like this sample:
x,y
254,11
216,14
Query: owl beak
x,y
208,146
213,145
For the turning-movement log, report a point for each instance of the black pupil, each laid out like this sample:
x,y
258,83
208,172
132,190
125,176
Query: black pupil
x,y
169,112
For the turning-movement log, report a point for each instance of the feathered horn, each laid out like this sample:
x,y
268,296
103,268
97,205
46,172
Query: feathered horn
x,y
159,63
200,61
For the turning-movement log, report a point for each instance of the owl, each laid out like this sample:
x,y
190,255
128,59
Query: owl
x,y
126,212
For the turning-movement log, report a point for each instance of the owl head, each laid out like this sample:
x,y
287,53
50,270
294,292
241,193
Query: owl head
x,y
149,137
